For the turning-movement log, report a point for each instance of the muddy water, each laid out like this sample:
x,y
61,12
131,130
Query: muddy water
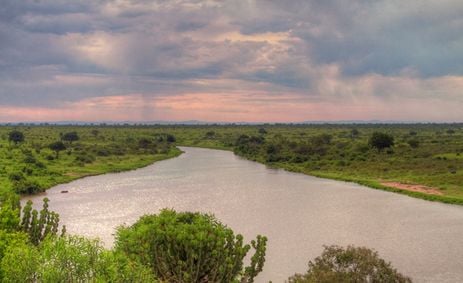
x,y
299,214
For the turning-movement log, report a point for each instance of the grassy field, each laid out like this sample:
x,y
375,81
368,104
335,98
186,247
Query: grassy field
x,y
31,166
425,155
428,156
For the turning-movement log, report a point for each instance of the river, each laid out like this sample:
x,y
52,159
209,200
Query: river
x,y
298,213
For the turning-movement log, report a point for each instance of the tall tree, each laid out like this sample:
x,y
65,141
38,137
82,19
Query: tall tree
x,y
57,147
16,137
70,137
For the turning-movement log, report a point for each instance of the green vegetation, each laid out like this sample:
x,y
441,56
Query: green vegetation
x,y
34,158
190,247
352,264
370,154
193,247
381,141
169,247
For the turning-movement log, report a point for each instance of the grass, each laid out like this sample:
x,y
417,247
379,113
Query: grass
x,y
111,150
436,161
424,154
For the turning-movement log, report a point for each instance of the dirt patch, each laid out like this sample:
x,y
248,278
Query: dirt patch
x,y
413,188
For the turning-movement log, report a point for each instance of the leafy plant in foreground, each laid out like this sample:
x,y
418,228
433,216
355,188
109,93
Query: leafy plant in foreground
x,y
69,259
39,225
190,247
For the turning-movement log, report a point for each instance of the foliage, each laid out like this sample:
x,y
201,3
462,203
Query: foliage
x,y
16,137
70,137
9,212
39,225
69,259
337,151
413,143
381,141
190,247
352,264
57,147
19,262
39,163
25,186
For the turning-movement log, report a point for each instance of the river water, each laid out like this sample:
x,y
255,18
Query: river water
x,y
298,213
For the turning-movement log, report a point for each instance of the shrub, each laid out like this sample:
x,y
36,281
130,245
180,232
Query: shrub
x,y
27,187
70,137
262,131
85,158
69,259
190,247
353,264
381,141
210,135
16,137
413,143
170,138
16,176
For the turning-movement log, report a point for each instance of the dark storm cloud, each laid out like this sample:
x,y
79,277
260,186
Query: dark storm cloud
x,y
53,52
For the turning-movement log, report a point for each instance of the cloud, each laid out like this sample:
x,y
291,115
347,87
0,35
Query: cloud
x,y
361,58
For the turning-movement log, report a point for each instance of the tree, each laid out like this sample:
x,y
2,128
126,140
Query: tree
x,y
353,264
70,137
262,131
381,141
414,143
170,138
16,137
190,247
210,135
57,147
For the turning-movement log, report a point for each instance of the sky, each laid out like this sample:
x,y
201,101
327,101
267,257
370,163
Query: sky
x,y
231,61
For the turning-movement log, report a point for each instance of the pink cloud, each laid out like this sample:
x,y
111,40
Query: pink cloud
x,y
334,98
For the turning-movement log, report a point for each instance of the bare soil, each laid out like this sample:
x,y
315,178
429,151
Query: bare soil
x,y
413,188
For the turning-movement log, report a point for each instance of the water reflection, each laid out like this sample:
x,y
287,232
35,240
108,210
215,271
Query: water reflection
x,y
298,213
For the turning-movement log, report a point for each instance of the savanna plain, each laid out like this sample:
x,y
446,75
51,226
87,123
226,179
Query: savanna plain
x,y
418,160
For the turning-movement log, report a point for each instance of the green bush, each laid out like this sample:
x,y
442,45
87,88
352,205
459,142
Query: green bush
x,y
85,158
381,141
69,259
349,265
27,187
190,247
16,136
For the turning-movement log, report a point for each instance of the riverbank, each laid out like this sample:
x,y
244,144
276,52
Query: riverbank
x,y
298,213
45,158
128,163
371,183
